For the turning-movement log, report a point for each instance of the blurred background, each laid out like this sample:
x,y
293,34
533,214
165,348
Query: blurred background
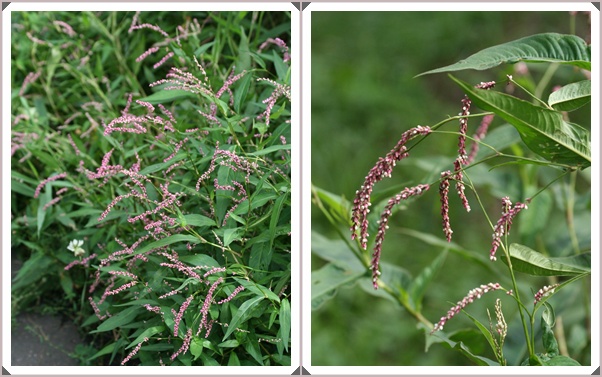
x,y
364,95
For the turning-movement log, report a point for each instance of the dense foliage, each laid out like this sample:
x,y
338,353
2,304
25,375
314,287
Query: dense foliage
x,y
151,182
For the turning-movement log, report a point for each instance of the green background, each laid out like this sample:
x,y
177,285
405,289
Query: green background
x,y
364,95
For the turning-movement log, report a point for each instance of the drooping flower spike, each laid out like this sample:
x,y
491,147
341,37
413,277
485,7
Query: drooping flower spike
x,y
383,168
382,228
505,222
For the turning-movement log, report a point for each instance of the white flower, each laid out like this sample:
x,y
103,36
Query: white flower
x,y
75,246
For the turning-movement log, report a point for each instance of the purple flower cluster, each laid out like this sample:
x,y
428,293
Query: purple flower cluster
x,y
504,223
473,294
382,228
383,168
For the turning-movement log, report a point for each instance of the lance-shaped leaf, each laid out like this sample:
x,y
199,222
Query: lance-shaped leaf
x,y
572,96
546,47
326,282
542,130
531,262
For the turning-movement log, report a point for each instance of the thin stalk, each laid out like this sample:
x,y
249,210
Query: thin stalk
x,y
545,80
538,90
570,211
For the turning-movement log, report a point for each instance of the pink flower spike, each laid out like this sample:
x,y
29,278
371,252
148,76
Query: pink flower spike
x,y
134,351
180,314
504,223
146,53
46,181
444,194
473,294
382,169
162,61
382,228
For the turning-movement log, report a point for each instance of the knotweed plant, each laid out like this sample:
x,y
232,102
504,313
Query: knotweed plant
x,y
169,206
498,130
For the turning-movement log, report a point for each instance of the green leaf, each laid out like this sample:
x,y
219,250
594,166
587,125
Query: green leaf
x,y
545,298
484,330
122,318
572,96
271,149
326,281
285,322
335,251
233,360
548,339
231,235
32,270
534,221
243,313
252,347
560,360
146,334
542,130
199,260
275,218
196,347
395,277
43,199
170,240
531,262
258,289
240,93
164,96
452,246
441,338
260,258
334,206
198,220
546,47
421,282
232,343
105,351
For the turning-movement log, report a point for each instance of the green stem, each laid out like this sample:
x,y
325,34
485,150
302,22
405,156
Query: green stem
x,y
545,80
570,212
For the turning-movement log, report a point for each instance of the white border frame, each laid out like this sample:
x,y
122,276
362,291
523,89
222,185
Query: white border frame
x,y
295,195
595,133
